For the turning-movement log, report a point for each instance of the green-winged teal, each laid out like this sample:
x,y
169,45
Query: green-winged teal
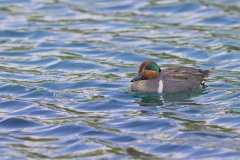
x,y
152,79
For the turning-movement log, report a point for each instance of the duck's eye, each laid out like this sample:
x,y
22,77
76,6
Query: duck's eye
x,y
148,68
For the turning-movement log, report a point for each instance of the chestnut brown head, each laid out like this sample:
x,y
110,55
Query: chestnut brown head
x,y
147,70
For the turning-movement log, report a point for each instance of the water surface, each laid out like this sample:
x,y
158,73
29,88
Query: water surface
x,y
66,66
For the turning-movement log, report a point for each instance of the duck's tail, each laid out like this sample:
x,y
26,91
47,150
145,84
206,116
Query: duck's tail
x,y
205,74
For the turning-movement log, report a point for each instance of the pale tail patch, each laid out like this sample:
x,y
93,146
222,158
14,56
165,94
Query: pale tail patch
x,y
203,83
160,86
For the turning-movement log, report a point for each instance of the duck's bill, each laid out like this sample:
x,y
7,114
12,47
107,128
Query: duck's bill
x,y
139,77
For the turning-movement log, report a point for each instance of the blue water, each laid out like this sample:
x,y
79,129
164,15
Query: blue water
x,y
65,71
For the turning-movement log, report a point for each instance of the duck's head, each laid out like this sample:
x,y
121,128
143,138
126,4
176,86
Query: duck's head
x,y
147,70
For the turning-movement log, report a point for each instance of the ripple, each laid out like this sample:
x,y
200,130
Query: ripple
x,y
142,126
219,20
69,65
82,148
14,105
15,123
63,130
173,8
12,89
228,122
123,139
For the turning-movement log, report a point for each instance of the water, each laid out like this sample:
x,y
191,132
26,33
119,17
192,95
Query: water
x,y
66,66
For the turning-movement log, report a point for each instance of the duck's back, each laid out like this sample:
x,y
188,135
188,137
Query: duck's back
x,y
182,78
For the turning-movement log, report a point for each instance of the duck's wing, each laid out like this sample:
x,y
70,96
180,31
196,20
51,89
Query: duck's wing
x,y
184,73
182,78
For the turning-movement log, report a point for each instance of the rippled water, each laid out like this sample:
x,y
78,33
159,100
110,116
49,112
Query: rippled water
x,y
66,66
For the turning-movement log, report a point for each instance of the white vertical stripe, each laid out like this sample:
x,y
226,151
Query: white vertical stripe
x,y
160,86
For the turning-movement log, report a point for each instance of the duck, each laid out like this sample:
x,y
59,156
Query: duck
x,y
152,79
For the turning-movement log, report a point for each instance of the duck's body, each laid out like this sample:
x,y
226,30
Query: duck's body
x,y
177,79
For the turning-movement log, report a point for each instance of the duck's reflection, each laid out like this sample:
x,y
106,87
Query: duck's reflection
x,y
156,99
